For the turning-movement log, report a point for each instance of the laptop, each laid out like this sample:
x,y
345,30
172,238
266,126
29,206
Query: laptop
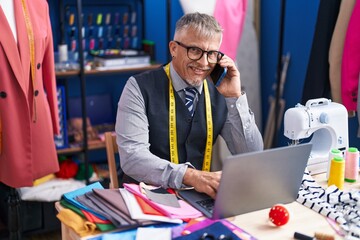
x,y
254,181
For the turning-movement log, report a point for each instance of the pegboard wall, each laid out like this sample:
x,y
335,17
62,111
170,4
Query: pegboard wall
x,y
106,24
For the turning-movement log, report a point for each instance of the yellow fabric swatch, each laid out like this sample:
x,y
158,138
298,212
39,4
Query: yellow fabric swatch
x,y
77,223
44,179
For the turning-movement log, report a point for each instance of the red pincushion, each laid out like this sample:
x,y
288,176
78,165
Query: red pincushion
x,y
279,215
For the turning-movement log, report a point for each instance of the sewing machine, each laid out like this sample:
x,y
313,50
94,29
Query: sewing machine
x,y
326,121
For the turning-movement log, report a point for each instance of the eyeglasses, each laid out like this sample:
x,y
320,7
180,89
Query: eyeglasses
x,y
195,53
207,236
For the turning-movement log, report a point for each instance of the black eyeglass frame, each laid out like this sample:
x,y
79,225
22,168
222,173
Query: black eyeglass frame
x,y
202,53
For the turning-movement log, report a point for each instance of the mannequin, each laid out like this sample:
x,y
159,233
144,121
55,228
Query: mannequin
x,y
28,105
8,8
28,101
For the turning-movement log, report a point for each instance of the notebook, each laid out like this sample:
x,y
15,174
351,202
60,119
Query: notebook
x,y
254,181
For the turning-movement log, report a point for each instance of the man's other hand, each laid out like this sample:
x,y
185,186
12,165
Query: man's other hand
x,y
205,182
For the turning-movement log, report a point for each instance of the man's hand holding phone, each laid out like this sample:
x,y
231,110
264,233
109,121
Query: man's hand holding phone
x,y
226,77
218,74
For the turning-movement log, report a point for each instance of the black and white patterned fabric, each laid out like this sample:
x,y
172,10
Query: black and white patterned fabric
x,y
342,207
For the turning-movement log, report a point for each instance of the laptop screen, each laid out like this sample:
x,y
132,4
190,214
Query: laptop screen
x,y
256,180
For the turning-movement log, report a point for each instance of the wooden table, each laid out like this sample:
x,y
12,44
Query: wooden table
x,y
302,220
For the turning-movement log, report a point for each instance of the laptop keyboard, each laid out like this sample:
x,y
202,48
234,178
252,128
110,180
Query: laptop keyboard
x,y
208,204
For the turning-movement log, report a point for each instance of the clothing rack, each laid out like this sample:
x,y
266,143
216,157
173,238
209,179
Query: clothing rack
x,y
83,90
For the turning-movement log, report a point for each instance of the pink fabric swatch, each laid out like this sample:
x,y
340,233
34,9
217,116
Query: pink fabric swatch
x,y
185,211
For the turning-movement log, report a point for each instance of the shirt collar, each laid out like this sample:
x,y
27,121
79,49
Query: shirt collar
x,y
178,83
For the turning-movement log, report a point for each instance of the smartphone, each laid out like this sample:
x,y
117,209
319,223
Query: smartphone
x,y
218,74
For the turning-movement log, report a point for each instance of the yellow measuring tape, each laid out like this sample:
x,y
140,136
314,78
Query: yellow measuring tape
x,y
174,157
30,34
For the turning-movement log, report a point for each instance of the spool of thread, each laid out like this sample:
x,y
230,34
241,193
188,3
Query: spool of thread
x,y
351,164
63,53
337,172
333,152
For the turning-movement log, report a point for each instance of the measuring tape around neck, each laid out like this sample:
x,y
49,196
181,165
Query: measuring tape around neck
x,y
30,34
174,157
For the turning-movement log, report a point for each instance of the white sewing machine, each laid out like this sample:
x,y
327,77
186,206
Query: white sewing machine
x,y
326,121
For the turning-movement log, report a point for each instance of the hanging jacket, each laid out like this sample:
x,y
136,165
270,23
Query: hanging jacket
x,y
28,149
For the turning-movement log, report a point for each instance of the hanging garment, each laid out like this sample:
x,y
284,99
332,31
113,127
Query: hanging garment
x,y
28,149
350,68
201,6
358,109
231,15
337,47
248,62
317,84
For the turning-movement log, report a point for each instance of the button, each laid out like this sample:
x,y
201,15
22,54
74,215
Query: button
x,y
189,120
36,92
38,66
3,94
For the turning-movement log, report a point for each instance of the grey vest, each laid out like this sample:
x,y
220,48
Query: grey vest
x,y
191,132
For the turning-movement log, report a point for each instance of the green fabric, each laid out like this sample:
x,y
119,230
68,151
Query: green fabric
x,y
72,207
101,226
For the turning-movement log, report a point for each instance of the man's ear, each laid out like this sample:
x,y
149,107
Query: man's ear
x,y
172,48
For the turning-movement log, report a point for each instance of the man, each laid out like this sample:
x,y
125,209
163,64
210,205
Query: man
x,y
164,139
